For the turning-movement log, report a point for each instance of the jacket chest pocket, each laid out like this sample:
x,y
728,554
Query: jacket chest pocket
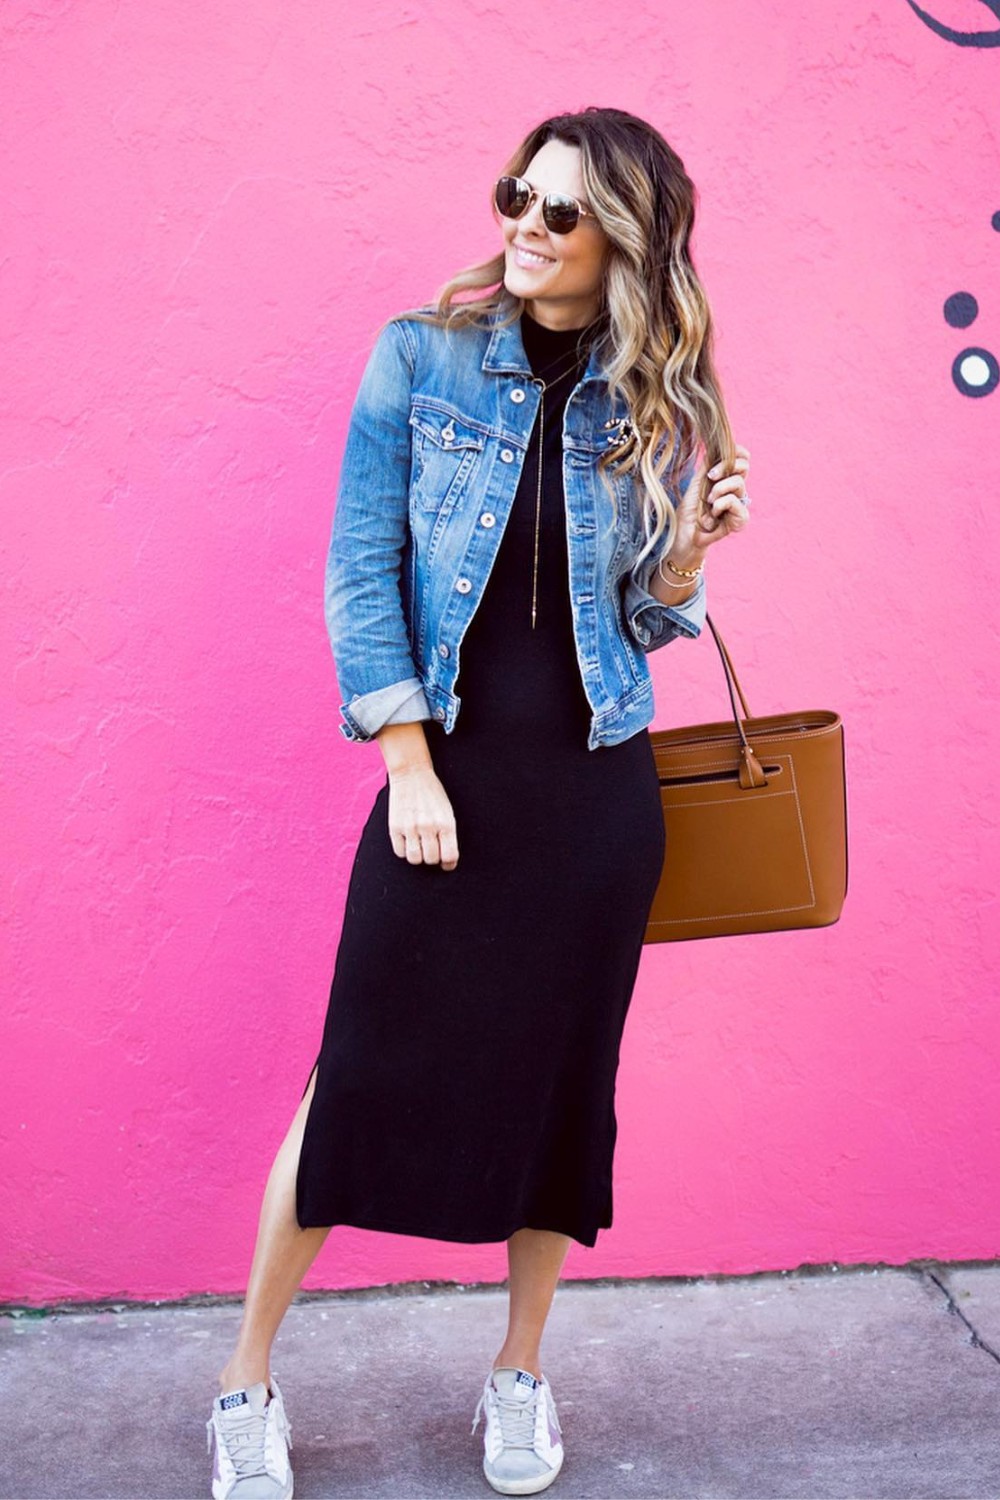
x,y
446,449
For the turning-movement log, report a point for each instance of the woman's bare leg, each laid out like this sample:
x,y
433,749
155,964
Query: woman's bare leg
x,y
282,1256
535,1258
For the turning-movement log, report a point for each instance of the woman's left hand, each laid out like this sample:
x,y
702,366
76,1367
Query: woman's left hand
x,y
727,509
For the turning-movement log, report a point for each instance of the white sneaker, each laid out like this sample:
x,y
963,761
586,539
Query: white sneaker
x,y
524,1450
252,1438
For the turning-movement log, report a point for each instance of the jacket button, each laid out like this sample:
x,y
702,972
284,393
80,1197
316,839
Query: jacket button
x,y
487,518
463,585
439,713
506,456
517,395
443,650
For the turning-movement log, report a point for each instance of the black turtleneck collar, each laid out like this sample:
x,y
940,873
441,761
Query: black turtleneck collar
x,y
543,345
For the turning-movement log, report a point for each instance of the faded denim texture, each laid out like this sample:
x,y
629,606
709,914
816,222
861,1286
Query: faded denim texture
x,y
437,437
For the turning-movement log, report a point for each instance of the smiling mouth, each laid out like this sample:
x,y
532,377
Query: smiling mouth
x,y
530,258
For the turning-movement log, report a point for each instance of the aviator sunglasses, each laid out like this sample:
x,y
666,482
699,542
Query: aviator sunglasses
x,y
513,196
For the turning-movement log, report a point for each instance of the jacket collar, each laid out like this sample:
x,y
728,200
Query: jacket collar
x,y
505,351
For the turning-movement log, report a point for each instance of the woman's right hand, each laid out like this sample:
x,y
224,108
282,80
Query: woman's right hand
x,y
421,818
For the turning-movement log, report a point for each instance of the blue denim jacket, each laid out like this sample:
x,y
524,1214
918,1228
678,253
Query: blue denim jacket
x,y
437,437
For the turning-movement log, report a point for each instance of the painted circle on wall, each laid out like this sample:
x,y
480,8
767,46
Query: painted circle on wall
x,y
975,372
961,309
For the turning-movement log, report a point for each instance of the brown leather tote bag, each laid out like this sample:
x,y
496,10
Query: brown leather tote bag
x,y
755,812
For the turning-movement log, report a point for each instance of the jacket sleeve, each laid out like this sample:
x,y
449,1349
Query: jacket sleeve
x,y
651,622
362,596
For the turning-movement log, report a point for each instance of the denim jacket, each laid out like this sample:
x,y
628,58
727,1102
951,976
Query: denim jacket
x,y
437,437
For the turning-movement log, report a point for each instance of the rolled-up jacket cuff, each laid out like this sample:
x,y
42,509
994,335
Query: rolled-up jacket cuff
x,y
402,702
654,623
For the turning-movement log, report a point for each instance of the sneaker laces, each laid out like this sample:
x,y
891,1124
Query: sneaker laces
x,y
517,1418
243,1435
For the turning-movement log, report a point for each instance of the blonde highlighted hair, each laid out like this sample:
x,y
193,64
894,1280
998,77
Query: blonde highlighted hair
x,y
655,331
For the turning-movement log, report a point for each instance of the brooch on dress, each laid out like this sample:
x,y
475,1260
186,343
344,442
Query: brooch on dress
x,y
622,434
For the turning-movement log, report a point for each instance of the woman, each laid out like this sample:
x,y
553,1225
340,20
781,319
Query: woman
x,y
519,515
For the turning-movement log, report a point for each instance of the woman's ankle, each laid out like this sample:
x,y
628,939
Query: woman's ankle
x,y
530,1362
237,1376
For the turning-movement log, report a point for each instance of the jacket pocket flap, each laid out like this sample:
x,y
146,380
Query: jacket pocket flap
x,y
444,428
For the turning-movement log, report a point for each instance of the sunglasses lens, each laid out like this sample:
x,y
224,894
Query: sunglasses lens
x,y
511,196
560,213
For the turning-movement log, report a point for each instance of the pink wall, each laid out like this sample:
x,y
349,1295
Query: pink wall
x,y
207,210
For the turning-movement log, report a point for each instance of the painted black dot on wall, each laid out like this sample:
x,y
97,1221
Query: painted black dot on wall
x,y
975,371
961,309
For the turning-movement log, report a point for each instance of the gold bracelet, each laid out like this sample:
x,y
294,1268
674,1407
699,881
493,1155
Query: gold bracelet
x,y
682,572
695,572
670,582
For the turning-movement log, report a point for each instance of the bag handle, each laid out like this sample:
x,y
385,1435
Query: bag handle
x,y
751,770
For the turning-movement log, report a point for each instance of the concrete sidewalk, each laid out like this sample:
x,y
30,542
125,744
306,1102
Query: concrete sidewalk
x,y
859,1383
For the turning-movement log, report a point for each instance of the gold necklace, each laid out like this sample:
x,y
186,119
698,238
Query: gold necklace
x,y
544,385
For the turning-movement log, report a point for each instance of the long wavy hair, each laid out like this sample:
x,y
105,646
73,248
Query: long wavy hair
x,y
654,332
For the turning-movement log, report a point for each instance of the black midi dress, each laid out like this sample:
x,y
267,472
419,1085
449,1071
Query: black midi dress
x,y
466,1076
